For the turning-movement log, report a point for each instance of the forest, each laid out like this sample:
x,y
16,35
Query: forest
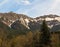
x,y
16,38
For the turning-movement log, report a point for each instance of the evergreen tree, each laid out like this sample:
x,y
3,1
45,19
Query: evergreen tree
x,y
45,35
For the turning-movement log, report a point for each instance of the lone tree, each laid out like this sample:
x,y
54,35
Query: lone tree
x,y
45,35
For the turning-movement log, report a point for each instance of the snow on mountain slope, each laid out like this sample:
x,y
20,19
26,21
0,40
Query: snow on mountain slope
x,y
10,18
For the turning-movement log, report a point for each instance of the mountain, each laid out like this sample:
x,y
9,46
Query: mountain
x,y
9,18
22,22
56,28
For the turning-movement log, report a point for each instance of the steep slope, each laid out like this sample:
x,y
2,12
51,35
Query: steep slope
x,y
4,30
17,25
34,25
56,28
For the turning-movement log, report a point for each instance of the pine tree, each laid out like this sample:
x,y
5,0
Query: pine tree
x,y
45,35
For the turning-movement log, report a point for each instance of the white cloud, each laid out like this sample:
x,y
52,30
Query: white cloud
x,y
26,2
23,2
55,4
55,8
3,2
37,9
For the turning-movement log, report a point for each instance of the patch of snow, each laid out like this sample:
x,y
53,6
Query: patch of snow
x,y
50,26
10,25
35,20
49,19
57,18
27,20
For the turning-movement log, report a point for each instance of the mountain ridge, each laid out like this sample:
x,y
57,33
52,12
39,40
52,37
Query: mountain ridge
x,y
28,22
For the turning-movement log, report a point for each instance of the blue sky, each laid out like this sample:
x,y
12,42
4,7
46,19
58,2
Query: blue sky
x,y
32,8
